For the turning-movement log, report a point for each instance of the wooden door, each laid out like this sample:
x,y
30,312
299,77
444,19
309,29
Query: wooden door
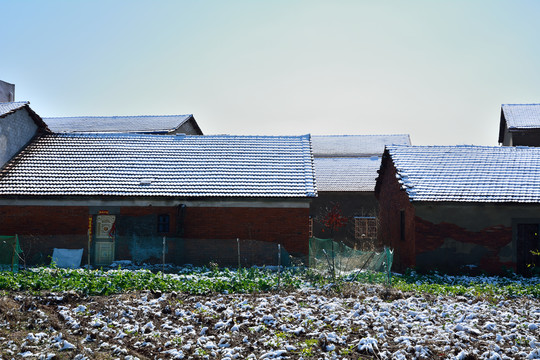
x,y
105,239
527,240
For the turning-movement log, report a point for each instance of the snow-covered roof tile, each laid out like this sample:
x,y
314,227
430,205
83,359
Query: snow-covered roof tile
x,y
522,116
346,174
468,173
354,145
146,165
8,107
116,124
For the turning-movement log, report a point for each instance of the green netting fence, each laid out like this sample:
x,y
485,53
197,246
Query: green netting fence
x,y
326,255
9,253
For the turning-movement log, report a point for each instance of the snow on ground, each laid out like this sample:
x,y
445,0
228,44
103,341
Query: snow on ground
x,y
366,321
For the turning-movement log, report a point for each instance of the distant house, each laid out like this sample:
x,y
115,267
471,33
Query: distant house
x,y
346,168
121,195
453,208
520,125
143,124
19,124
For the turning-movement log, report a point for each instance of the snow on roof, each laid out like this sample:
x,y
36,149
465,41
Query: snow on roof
x,y
9,107
522,116
146,165
354,145
347,174
350,162
118,124
468,173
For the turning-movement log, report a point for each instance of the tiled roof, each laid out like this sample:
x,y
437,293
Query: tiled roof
x,y
346,174
354,145
8,107
468,173
146,165
116,124
522,116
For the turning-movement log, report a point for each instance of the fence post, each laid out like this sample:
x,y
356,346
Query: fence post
x,y
279,266
333,261
388,265
238,249
163,257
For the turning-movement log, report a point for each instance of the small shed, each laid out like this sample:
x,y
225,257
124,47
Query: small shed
x,y
460,208
346,168
520,125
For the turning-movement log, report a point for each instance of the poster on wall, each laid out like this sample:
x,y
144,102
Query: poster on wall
x,y
104,226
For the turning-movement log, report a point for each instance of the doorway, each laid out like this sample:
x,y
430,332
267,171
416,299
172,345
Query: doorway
x,y
105,239
527,241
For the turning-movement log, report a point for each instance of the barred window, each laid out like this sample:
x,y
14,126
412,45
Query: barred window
x,y
365,227
163,223
310,227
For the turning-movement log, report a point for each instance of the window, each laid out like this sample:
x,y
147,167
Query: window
x,y
310,227
365,227
163,223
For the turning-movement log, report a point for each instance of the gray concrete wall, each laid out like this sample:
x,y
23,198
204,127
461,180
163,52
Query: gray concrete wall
x,y
451,237
7,92
16,130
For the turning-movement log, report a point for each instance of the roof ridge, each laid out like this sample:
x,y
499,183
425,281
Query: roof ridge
x,y
111,116
353,135
14,102
503,148
151,136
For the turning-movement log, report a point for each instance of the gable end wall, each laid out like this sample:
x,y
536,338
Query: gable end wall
x,y
393,200
16,130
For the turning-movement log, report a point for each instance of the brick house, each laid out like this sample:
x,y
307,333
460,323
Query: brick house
x,y
520,125
128,191
345,169
142,124
460,207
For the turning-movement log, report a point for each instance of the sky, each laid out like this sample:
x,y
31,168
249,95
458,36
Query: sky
x,y
437,70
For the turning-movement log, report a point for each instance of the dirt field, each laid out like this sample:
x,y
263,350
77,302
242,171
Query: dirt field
x,y
363,322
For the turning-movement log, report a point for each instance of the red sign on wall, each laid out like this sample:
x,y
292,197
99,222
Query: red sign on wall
x,y
90,226
103,212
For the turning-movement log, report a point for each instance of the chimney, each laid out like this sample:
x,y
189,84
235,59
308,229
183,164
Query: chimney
x,y
7,92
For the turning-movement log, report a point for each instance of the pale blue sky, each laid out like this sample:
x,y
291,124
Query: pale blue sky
x,y
437,70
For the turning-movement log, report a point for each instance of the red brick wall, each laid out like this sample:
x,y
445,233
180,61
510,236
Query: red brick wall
x,y
391,201
430,237
43,220
153,210
41,228
288,226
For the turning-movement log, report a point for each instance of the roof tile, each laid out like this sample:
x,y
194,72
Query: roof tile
x,y
8,107
468,173
180,166
116,124
522,116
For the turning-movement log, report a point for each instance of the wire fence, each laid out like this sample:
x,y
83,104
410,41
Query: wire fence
x,y
326,255
151,250
9,252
